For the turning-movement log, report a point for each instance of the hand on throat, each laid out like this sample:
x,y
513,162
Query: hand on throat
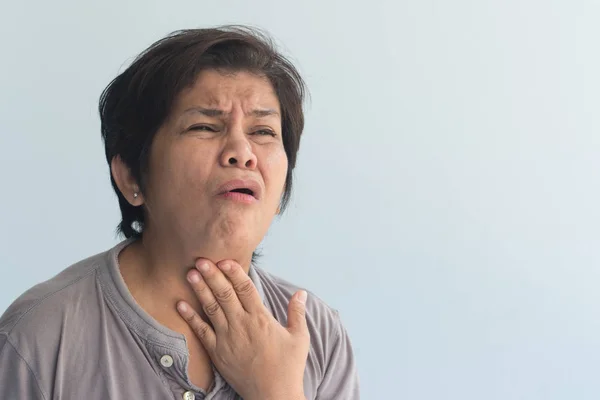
x,y
154,269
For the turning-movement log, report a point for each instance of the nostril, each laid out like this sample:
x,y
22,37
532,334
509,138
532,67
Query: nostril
x,y
232,161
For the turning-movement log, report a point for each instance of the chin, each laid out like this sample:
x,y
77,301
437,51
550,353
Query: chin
x,y
241,240
235,225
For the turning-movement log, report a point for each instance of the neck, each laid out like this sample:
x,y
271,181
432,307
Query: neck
x,y
154,269
166,254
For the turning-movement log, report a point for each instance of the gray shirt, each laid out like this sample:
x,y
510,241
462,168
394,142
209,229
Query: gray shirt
x,y
81,335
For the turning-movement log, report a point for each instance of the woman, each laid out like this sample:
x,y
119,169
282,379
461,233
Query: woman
x,y
201,135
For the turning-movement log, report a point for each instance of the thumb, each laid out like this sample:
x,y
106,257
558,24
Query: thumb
x,y
297,312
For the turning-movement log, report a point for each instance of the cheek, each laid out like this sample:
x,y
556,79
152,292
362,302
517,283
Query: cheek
x,y
192,168
182,168
275,165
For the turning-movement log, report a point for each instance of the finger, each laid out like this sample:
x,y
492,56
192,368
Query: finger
x,y
210,305
297,313
242,285
221,289
200,328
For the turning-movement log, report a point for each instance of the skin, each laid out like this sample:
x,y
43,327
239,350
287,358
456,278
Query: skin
x,y
225,126
261,359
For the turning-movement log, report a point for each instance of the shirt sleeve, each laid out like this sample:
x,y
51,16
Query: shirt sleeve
x,y
340,381
17,380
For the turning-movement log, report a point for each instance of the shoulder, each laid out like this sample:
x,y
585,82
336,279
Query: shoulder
x,y
278,291
46,304
330,367
38,330
323,321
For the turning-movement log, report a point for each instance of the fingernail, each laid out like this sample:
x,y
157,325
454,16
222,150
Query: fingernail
x,y
182,307
225,267
204,267
193,277
302,297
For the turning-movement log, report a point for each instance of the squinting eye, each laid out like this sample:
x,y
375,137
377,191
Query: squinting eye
x,y
265,132
202,128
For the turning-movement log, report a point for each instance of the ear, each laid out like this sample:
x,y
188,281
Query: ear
x,y
126,182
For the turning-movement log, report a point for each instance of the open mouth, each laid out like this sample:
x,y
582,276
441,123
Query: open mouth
x,y
243,190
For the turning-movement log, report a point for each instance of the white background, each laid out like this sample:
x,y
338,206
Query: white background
x,y
447,198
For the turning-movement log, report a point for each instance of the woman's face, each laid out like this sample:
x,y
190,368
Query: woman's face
x,y
226,127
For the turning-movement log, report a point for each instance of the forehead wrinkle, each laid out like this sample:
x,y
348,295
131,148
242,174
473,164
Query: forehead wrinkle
x,y
217,113
218,99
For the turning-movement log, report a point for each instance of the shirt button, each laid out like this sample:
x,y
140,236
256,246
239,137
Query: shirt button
x,y
166,361
189,395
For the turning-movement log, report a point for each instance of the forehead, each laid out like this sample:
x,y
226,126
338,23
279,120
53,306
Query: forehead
x,y
224,90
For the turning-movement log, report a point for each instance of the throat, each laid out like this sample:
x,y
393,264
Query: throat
x,y
156,293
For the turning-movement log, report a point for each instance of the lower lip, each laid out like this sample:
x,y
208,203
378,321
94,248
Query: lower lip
x,y
239,197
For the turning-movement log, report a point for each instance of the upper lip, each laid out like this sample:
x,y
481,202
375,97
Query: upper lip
x,y
250,184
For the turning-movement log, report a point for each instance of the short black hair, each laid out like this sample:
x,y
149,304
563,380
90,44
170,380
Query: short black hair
x,y
138,101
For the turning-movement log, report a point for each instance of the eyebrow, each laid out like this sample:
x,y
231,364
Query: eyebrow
x,y
213,112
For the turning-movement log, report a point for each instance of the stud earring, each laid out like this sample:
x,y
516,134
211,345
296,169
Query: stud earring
x,y
135,195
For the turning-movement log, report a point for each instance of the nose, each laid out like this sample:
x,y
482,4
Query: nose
x,y
238,151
